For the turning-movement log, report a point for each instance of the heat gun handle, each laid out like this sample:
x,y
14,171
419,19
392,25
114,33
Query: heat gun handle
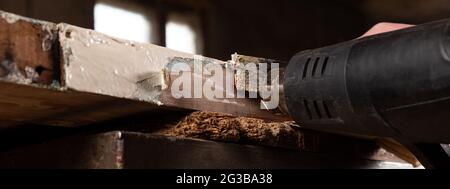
x,y
395,84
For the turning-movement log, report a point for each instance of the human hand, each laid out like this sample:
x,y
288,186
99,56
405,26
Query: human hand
x,y
383,27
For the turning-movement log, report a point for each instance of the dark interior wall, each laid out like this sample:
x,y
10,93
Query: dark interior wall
x,y
278,28
406,11
76,12
17,6
267,28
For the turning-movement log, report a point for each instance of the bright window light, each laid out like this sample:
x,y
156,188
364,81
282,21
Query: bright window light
x,y
122,23
180,36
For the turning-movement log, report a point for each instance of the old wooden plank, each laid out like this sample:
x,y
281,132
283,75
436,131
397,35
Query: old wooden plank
x,y
27,50
72,73
97,63
33,88
138,150
100,151
25,104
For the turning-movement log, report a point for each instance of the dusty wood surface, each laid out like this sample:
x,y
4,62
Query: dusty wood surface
x,y
226,128
21,104
138,151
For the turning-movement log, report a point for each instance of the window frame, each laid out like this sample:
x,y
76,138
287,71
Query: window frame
x,y
145,11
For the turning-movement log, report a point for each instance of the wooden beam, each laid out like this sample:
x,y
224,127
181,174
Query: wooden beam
x,y
27,104
27,51
96,63
57,73
129,150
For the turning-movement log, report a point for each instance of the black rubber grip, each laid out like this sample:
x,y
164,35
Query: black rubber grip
x,y
394,84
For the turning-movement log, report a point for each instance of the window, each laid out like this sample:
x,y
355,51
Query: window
x,y
144,23
183,33
126,22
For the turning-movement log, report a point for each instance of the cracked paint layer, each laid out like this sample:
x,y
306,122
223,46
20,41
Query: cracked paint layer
x,y
48,28
10,72
96,63
13,18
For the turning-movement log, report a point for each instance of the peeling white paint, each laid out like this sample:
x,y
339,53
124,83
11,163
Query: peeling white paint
x,y
97,63
12,74
13,18
48,28
50,36
10,18
242,76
